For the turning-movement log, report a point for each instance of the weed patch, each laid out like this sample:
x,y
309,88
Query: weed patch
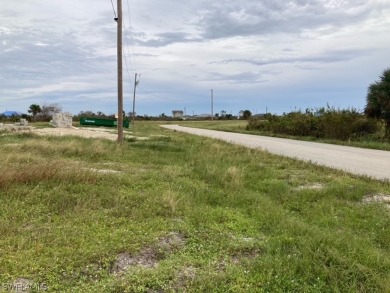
x,y
150,256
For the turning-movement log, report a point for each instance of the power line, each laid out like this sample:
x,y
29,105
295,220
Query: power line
x,y
131,33
129,55
112,3
132,59
123,50
162,98
127,67
128,52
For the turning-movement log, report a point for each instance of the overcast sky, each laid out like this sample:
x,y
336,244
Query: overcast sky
x,y
259,55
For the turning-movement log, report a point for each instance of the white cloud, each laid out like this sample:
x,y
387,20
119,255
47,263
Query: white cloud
x,y
65,50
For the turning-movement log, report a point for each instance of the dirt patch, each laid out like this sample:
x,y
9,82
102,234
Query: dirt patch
x,y
184,278
10,145
150,256
103,171
314,186
15,128
241,255
82,132
145,259
236,258
378,198
87,132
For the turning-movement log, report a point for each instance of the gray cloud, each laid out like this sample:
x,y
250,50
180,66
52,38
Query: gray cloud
x,y
164,39
39,54
327,57
245,18
251,17
239,78
65,50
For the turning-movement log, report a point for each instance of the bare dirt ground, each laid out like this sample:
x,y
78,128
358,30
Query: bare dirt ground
x,y
89,132
83,132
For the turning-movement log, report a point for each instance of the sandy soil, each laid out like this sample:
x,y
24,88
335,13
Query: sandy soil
x,y
83,132
89,132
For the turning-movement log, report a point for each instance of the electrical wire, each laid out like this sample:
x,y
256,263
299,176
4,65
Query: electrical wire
x,y
167,99
128,52
128,56
112,3
123,51
131,33
127,67
133,59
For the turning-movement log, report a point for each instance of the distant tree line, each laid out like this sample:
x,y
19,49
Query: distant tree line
x,y
36,113
128,116
327,123
321,123
333,123
44,112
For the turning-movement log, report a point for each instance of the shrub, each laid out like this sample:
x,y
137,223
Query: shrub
x,y
329,124
365,126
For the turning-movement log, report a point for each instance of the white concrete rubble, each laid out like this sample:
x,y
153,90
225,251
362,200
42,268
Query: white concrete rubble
x,y
61,120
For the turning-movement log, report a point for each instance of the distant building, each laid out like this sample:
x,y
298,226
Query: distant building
x,y
258,116
203,116
11,113
177,114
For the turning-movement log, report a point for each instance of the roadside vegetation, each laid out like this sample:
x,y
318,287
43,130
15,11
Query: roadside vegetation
x,y
328,125
171,212
345,127
369,128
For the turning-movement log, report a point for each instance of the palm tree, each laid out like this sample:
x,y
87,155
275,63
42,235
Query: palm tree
x,y
246,114
378,100
34,110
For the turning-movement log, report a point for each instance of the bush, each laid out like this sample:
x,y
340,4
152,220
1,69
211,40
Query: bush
x,y
338,124
328,124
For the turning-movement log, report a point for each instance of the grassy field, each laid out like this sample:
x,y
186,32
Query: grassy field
x,y
179,213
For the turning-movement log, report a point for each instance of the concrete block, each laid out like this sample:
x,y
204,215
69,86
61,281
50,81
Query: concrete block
x,y
61,120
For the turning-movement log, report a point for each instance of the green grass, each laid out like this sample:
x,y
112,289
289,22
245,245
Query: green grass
x,y
246,220
222,125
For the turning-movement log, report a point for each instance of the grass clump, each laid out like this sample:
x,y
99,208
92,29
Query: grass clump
x,y
184,214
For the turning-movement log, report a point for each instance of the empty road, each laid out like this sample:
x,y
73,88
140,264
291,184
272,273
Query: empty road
x,y
371,163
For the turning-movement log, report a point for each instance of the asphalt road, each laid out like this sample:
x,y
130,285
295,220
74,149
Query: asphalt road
x,y
371,163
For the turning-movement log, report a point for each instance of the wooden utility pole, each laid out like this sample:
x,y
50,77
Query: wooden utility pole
x,y
135,86
212,105
120,74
